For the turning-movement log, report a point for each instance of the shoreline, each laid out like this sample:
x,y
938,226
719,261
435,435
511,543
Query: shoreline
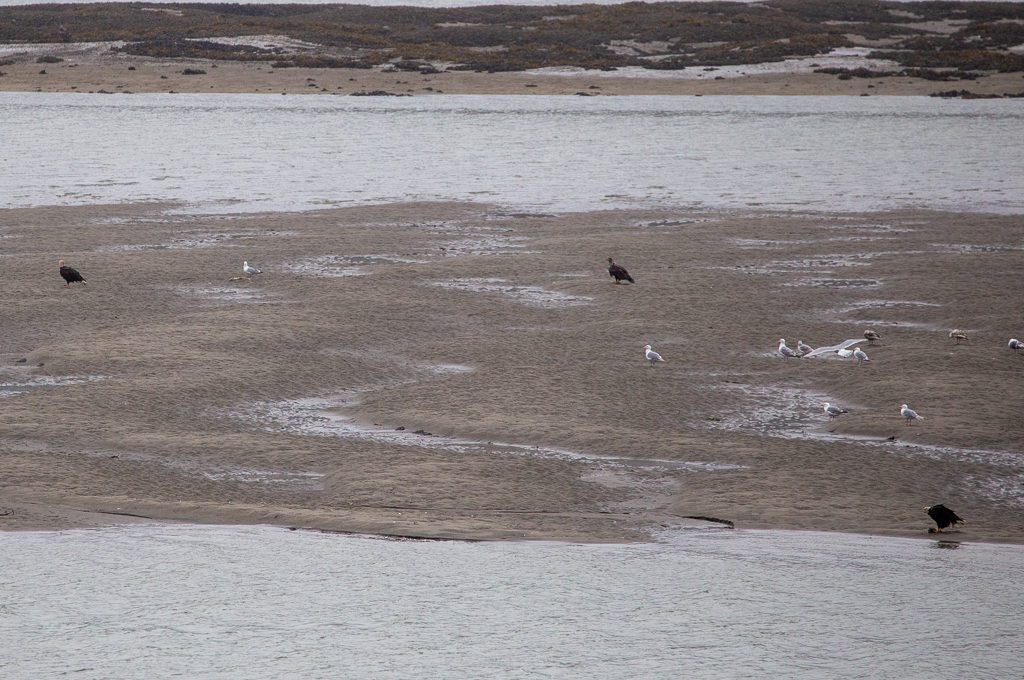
x,y
95,70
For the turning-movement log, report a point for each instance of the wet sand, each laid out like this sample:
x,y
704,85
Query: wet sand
x,y
170,388
92,67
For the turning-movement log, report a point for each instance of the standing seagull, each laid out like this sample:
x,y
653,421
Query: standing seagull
x,y
803,347
785,351
943,517
1015,344
833,411
909,414
249,269
70,275
958,336
872,336
860,355
618,273
651,355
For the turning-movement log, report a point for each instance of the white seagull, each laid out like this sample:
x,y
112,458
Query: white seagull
x,y
249,269
958,336
860,355
651,355
844,353
909,414
832,411
803,347
785,351
1015,344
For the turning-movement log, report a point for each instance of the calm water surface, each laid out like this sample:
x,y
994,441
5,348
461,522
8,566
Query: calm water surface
x,y
229,153
258,602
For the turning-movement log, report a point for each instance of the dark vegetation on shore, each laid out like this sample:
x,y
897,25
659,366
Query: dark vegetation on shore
x,y
513,38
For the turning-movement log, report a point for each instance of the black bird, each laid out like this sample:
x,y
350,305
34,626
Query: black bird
x,y
70,275
618,273
943,517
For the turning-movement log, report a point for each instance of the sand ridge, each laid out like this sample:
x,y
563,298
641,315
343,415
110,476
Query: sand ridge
x,y
172,427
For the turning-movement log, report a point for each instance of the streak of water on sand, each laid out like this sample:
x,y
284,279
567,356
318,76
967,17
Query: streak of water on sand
x,y
307,480
865,304
975,249
18,385
15,382
788,413
339,266
326,417
199,240
529,295
224,294
830,282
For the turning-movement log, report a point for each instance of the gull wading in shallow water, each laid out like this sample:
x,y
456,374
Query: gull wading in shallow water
x,y
249,270
860,356
909,414
958,336
943,517
872,336
786,351
651,355
832,411
803,347
70,275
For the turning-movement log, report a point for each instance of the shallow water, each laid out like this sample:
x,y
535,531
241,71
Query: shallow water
x,y
258,602
242,153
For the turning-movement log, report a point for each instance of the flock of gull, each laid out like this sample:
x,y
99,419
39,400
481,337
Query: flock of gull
x,y
843,351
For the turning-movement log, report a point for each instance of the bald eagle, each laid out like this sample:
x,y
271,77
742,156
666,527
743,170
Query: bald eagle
x,y
70,275
943,517
618,273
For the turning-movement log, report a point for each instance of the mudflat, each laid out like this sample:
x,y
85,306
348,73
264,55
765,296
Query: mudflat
x,y
459,370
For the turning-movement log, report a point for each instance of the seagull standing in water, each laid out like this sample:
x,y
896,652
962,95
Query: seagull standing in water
x,y
1016,345
872,336
860,355
909,414
651,355
249,270
832,411
958,336
786,351
803,347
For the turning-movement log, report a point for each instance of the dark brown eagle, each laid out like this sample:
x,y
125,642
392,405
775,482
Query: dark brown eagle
x,y
943,517
70,275
618,273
